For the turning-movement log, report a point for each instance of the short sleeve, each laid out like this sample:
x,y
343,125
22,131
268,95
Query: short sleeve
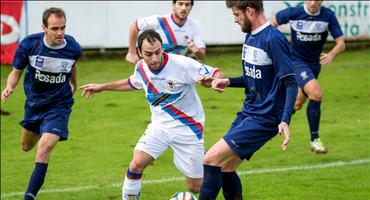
x,y
280,55
136,80
195,69
334,27
283,16
20,60
146,23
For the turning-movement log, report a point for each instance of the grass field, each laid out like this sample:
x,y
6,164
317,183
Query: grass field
x,y
105,129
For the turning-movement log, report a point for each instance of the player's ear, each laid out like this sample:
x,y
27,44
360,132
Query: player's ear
x,y
43,27
138,52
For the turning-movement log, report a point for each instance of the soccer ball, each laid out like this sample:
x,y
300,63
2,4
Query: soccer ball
x,y
183,196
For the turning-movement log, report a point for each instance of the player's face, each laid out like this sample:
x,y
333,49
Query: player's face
x,y
181,9
313,6
55,29
152,54
241,18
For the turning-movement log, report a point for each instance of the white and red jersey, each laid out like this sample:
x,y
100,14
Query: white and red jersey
x,y
170,91
173,35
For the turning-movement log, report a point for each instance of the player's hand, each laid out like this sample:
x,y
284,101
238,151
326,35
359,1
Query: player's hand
x,y
284,130
326,58
191,45
132,58
90,89
6,93
219,85
205,81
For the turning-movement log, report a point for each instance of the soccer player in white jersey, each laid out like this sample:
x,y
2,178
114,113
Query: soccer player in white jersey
x,y
49,83
310,25
177,119
179,32
270,90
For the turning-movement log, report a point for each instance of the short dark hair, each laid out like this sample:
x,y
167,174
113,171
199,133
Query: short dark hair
x,y
57,11
242,5
192,2
150,35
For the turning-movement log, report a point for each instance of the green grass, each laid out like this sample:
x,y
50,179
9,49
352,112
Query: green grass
x,y
105,129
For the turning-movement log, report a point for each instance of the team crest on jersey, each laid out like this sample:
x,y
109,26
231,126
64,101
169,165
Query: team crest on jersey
x,y
64,66
39,61
171,85
255,55
300,25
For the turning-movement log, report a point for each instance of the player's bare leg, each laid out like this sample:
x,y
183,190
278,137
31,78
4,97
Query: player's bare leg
x,y
132,183
194,184
314,92
220,156
29,139
45,146
301,99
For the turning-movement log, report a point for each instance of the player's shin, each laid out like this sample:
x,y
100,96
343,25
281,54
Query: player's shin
x,y
36,181
212,183
131,186
231,186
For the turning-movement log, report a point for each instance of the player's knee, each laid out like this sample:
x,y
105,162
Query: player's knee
x,y
26,146
136,166
211,158
298,105
316,95
43,153
194,186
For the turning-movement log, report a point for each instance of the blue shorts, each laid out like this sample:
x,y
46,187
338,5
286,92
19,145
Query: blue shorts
x,y
305,72
48,120
247,134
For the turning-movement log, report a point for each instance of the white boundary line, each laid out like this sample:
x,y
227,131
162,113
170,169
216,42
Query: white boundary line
x,y
173,179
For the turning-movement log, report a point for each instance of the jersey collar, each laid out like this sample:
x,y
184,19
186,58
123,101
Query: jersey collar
x,y
260,28
308,12
54,47
173,20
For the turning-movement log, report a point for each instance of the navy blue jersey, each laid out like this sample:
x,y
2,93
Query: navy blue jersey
x,y
48,69
309,31
266,59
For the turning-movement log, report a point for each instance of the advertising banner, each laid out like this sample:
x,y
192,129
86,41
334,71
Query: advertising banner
x,y
11,12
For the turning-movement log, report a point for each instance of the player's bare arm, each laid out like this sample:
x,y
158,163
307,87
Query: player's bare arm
x,y
12,82
73,80
219,85
206,81
89,90
284,130
132,56
199,53
326,58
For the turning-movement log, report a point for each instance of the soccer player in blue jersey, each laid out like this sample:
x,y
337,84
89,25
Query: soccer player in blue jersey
x,y
310,25
50,60
270,89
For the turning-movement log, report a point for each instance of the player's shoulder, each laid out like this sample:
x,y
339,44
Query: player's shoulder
x,y
326,11
272,35
33,38
72,42
180,61
192,22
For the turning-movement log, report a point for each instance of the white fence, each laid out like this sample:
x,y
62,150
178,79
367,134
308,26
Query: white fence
x,y
105,24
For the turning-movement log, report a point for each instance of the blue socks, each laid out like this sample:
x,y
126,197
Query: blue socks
x,y
231,186
313,116
36,181
212,183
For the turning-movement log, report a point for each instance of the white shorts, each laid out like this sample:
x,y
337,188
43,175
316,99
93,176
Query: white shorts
x,y
188,149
